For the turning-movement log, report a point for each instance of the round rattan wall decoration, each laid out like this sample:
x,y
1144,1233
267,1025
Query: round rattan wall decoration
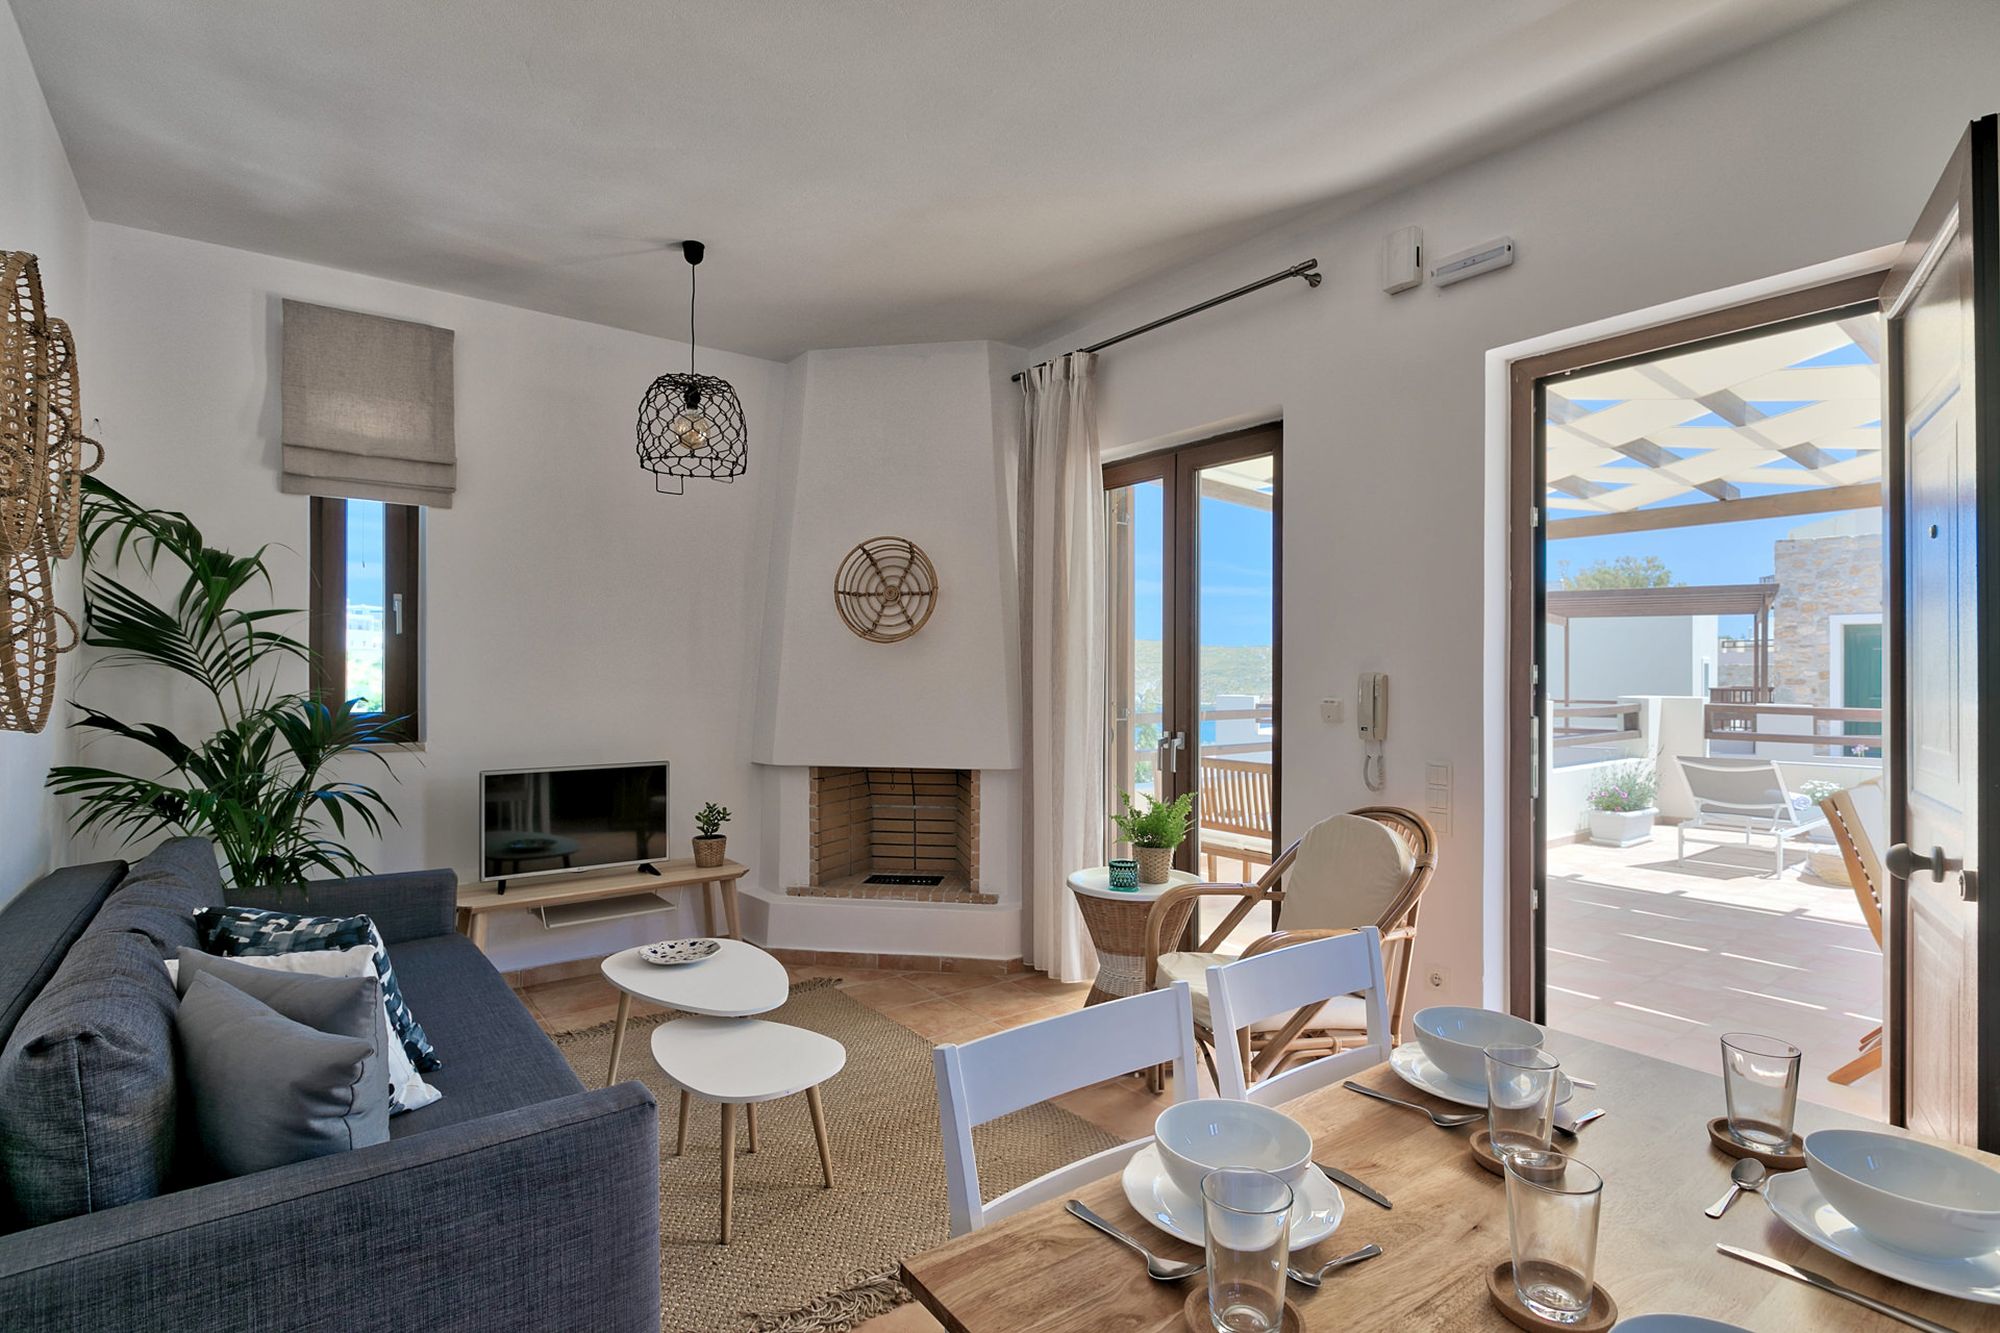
x,y
886,589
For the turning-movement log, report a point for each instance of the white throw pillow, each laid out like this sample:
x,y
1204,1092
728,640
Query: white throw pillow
x,y
407,1089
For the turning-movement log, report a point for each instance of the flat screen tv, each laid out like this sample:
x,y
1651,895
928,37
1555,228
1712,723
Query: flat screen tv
x,y
552,821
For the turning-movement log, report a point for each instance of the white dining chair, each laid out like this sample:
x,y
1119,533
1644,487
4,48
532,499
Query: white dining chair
x,y
985,1079
1297,979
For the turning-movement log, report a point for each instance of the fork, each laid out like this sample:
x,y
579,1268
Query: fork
x,y
1442,1119
1158,1269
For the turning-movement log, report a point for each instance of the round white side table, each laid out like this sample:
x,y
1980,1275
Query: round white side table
x,y
1116,919
741,1062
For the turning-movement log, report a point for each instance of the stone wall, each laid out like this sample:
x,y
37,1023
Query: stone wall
x,y
1817,578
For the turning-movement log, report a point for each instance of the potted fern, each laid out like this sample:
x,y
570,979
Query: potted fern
x,y
1622,805
709,844
1154,832
263,783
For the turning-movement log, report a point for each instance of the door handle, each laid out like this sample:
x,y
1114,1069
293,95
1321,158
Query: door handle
x,y
1172,745
1903,863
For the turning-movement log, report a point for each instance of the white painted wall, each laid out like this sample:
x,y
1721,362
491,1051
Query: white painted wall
x,y
572,615
1611,657
1818,145
41,212
901,442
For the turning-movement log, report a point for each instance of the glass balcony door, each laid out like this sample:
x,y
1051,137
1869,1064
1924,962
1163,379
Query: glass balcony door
x,y
1194,633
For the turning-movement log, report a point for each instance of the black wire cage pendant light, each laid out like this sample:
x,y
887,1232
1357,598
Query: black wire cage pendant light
x,y
692,425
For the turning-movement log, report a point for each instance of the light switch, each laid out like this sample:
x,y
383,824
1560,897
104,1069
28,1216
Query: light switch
x,y
1329,710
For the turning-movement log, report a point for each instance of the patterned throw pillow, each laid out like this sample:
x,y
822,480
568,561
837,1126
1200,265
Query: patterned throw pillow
x,y
237,932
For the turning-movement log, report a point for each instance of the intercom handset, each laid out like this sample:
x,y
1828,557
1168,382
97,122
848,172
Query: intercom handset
x,y
1371,714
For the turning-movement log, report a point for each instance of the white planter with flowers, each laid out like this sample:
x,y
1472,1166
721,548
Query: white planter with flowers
x,y
1621,805
1621,828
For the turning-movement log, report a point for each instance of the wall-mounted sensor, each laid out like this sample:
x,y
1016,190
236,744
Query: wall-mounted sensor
x,y
1402,259
1471,263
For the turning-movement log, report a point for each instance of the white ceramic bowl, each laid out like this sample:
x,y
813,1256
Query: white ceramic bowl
x,y
1907,1194
1456,1038
1197,1137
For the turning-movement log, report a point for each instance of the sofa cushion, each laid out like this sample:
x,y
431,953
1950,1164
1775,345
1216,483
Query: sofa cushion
x,y
241,932
161,893
38,925
88,1084
267,1090
500,1058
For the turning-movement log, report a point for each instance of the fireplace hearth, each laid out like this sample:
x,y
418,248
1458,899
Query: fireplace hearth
x,y
910,834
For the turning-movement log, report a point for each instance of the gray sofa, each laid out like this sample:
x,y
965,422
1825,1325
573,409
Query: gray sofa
x,y
518,1200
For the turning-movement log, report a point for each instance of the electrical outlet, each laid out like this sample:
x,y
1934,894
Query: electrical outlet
x,y
1437,977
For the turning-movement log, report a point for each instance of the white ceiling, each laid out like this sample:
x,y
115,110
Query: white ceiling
x,y
864,171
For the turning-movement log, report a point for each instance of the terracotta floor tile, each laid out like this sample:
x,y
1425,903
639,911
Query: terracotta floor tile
x,y
952,983
888,993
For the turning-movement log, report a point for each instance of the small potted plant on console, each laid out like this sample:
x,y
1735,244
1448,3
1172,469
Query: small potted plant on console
x,y
1154,832
709,844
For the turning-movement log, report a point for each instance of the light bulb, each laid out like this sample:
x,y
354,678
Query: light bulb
x,y
690,430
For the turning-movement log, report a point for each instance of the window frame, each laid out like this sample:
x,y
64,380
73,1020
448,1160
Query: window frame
x,y
327,633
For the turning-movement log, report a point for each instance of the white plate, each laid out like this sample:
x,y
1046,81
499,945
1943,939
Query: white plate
x,y
1316,1210
672,953
1674,1323
1800,1206
1420,1071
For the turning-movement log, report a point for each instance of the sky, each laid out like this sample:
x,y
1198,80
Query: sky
x,y
1235,571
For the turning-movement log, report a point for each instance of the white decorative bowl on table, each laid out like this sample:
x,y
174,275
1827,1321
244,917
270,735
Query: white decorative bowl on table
x,y
1456,1037
1907,1194
1197,1137
673,953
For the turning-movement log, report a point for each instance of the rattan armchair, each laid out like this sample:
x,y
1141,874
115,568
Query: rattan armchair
x,y
1266,1053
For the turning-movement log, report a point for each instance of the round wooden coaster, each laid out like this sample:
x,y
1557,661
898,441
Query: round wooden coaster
x,y
1481,1144
1196,1313
1794,1160
1500,1286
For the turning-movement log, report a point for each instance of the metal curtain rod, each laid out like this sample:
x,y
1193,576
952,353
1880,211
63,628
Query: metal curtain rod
x,y
1299,270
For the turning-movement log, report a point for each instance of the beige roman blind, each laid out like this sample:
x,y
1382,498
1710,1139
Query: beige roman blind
x,y
367,407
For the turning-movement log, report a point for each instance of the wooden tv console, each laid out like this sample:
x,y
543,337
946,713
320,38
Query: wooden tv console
x,y
576,900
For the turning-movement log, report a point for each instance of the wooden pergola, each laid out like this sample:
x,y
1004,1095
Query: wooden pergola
x,y
1563,605
1780,424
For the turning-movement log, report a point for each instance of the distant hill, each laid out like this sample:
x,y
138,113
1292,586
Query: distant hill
x,y
1224,670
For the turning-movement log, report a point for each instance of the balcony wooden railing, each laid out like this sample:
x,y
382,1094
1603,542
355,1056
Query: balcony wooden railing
x,y
1621,722
1741,723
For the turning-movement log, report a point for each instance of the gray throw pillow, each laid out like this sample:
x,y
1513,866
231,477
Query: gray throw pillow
x,y
267,1091
343,1006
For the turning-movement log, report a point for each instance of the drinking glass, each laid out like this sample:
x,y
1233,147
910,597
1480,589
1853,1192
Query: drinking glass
x,y
1520,1098
1552,1208
1760,1083
1248,1216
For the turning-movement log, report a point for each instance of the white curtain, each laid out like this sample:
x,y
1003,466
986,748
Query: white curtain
x,y
1062,565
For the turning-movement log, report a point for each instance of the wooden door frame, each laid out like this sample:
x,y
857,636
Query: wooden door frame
x,y
1526,850
1176,468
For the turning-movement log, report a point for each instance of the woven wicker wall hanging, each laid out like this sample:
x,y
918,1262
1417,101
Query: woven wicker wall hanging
x,y
41,475
886,589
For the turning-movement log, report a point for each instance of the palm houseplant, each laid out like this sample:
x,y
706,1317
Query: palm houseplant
x,y
262,780
1622,805
1154,832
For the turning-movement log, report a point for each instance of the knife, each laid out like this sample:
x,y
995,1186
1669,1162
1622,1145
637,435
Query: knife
x,y
1832,1288
1340,1177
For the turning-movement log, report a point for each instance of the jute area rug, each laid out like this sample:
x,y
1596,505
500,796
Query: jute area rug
x,y
804,1257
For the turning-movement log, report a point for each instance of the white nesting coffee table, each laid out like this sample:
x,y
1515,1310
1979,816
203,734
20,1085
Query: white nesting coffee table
x,y
740,980
741,1062
723,1054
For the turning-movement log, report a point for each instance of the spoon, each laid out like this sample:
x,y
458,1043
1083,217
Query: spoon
x,y
1747,1174
1305,1279
1158,1269
1442,1120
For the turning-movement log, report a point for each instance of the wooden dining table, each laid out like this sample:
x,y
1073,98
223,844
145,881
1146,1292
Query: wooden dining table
x,y
1043,1271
